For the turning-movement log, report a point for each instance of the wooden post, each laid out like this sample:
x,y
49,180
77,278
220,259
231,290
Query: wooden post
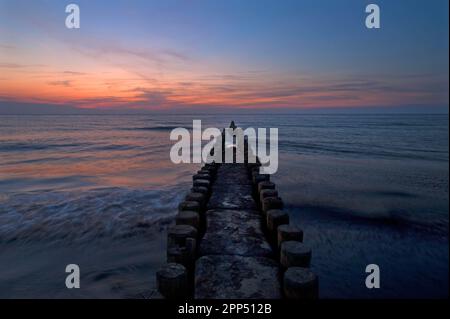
x,y
271,203
202,182
300,283
172,281
200,189
295,254
267,193
265,185
202,175
289,233
188,217
257,177
190,205
177,235
197,197
184,255
275,218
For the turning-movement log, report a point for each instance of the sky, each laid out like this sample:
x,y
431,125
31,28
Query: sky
x,y
252,54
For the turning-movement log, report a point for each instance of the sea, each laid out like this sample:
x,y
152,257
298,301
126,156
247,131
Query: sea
x,y
100,191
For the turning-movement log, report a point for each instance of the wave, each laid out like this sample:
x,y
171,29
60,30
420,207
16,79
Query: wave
x,y
115,213
22,146
155,128
368,151
398,219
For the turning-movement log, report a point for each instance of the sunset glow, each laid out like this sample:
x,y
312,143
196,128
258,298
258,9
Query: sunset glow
x,y
148,55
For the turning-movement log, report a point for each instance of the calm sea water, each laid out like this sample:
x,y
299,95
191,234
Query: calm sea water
x,y
99,191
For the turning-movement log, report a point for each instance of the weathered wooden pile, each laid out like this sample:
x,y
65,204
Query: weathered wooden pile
x,y
233,240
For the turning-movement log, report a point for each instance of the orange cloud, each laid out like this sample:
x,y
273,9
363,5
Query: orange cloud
x,y
109,77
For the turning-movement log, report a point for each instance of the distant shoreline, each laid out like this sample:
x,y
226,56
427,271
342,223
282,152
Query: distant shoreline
x,y
17,108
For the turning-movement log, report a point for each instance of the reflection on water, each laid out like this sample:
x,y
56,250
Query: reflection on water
x,y
100,190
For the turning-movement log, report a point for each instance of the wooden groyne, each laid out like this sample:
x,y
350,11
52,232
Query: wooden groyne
x,y
233,240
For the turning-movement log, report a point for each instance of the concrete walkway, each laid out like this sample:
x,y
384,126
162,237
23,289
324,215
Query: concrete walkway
x,y
235,259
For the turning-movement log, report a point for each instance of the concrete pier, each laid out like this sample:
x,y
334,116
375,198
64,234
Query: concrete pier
x,y
232,240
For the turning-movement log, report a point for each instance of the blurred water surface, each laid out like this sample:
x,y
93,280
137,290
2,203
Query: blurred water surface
x,y
100,190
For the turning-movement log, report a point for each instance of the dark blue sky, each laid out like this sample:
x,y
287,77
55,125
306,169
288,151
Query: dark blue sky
x,y
310,53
